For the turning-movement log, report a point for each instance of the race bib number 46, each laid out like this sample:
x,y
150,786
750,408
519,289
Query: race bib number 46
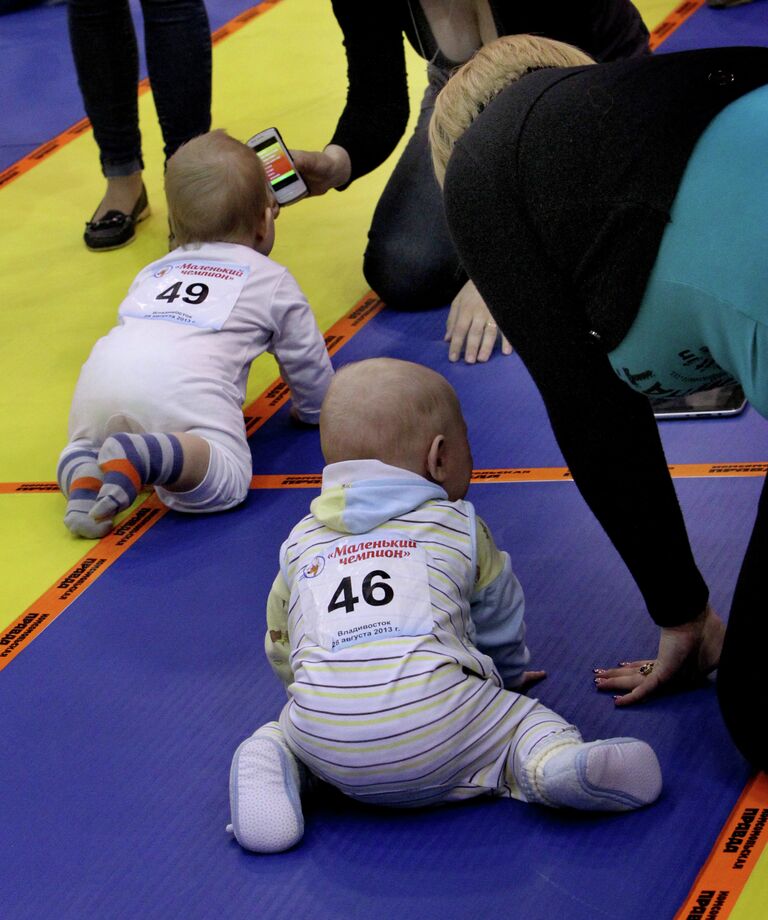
x,y
382,596
188,291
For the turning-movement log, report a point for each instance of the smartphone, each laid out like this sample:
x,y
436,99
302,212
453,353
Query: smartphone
x,y
715,403
283,176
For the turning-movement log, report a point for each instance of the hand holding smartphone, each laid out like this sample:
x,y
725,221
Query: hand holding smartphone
x,y
285,180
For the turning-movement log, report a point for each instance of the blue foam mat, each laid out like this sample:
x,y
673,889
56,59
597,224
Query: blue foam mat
x,y
713,28
121,718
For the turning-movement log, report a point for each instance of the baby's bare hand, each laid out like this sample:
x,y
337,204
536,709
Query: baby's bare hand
x,y
530,679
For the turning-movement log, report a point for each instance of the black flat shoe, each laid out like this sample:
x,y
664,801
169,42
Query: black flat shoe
x,y
116,229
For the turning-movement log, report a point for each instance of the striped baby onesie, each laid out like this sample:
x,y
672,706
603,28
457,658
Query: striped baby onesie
x,y
382,589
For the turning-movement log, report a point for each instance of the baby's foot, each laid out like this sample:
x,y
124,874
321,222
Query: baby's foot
x,y
130,461
265,793
618,774
80,479
79,521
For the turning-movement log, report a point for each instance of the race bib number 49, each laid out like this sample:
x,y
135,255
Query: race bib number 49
x,y
382,596
192,292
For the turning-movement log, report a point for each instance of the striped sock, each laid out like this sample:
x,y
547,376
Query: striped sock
x,y
80,478
131,461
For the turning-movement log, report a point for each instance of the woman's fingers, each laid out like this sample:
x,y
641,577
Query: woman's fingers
x,y
636,680
470,328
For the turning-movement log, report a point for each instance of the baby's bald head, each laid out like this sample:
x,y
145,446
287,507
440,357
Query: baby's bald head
x,y
389,410
216,189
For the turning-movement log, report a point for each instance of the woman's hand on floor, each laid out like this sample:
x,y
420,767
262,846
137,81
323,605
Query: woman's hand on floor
x,y
471,327
686,655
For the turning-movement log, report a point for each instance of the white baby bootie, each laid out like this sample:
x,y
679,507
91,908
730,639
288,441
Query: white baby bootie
x,y
265,784
618,774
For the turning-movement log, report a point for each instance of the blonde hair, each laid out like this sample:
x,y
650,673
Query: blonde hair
x,y
216,189
492,68
386,409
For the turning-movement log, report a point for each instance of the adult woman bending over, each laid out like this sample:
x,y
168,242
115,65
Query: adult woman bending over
x,y
614,218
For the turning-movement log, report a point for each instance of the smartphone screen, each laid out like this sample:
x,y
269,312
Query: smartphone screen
x,y
725,400
277,164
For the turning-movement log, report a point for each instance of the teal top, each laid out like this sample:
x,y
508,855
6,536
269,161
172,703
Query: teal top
x,y
703,320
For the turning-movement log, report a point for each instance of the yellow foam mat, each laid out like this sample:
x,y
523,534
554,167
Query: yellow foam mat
x,y
654,11
59,298
753,903
33,557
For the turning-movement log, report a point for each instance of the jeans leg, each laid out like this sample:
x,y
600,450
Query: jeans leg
x,y
177,37
410,260
103,42
741,684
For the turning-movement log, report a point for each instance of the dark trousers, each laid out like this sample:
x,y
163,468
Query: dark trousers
x,y
410,261
178,47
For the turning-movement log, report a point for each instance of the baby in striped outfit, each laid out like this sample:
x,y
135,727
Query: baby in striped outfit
x,y
397,627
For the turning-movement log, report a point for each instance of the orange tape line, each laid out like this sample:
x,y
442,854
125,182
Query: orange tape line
x,y
534,474
677,471
270,400
18,488
736,852
45,150
298,481
673,21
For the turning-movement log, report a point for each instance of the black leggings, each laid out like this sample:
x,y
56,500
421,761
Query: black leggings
x,y
178,46
410,261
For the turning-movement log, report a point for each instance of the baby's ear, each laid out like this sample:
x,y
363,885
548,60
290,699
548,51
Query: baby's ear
x,y
262,226
436,459
264,233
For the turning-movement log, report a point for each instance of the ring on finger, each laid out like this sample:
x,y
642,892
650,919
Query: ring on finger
x,y
647,668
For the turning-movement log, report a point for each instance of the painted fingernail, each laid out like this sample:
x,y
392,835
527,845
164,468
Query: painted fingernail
x,y
598,681
598,670
623,664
